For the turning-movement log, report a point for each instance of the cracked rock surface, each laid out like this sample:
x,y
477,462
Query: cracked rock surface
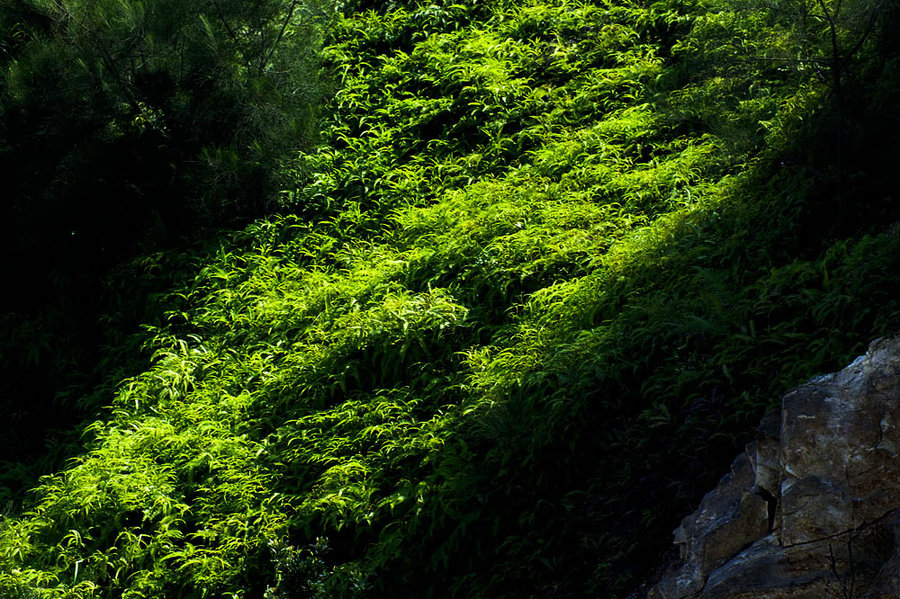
x,y
812,508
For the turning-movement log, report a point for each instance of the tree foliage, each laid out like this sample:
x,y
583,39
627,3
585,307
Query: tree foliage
x,y
125,120
128,126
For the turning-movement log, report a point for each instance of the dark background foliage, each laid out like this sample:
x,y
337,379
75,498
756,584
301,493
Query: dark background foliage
x,y
127,128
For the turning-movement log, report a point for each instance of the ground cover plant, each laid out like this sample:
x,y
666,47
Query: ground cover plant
x,y
544,270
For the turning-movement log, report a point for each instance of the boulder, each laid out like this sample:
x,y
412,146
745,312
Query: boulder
x,y
812,508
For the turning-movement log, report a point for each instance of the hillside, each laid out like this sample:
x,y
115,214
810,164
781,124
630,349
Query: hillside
x,y
540,273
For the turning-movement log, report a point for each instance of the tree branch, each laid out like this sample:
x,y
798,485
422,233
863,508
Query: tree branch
x,y
281,33
221,15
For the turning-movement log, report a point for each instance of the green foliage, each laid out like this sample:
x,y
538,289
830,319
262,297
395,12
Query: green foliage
x,y
226,88
129,126
304,574
548,266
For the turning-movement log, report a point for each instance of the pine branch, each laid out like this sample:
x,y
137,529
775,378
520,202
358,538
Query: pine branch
x,y
281,33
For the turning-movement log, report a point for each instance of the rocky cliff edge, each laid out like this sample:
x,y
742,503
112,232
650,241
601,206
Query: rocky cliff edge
x,y
811,509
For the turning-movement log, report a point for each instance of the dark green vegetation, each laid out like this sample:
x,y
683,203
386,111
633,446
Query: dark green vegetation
x,y
546,266
126,126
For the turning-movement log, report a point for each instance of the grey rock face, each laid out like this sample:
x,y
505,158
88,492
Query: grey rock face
x,y
812,508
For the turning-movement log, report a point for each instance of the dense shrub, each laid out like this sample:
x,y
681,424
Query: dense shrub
x,y
548,266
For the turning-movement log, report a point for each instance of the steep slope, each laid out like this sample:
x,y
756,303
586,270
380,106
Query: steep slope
x,y
543,275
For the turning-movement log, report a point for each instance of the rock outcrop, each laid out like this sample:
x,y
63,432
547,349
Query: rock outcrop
x,y
812,508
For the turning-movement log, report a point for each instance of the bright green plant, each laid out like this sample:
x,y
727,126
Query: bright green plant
x,y
553,279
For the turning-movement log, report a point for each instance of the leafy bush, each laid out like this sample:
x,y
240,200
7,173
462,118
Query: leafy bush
x,y
541,277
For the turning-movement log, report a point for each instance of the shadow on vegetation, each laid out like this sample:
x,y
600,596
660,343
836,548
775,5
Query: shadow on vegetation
x,y
639,405
452,425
